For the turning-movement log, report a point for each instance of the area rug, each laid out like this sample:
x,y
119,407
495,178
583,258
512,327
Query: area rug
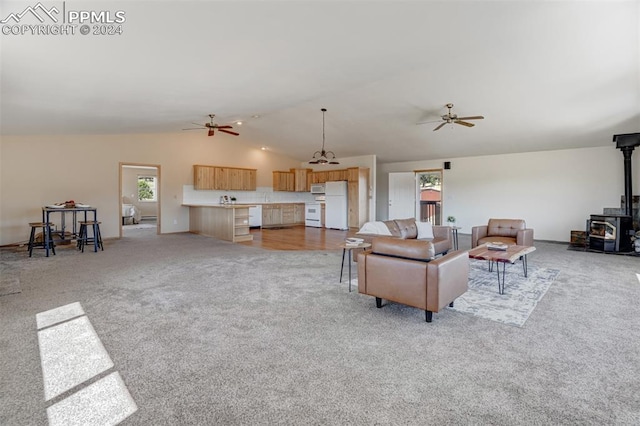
x,y
521,295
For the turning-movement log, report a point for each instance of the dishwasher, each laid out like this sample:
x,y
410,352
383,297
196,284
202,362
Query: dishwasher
x,y
255,216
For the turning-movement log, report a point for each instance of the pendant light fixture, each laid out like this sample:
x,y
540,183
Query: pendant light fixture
x,y
323,157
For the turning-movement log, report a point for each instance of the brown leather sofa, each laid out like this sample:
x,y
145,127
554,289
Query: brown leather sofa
x,y
401,271
406,229
508,231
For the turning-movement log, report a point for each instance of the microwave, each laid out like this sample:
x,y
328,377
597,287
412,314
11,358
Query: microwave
x,y
317,188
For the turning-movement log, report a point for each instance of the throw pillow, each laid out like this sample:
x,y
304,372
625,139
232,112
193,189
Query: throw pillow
x,y
425,230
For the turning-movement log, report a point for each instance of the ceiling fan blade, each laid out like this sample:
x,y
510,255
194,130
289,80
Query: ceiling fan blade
x,y
475,117
429,121
210,132
439,127
229,131
194,128
464,123
224,127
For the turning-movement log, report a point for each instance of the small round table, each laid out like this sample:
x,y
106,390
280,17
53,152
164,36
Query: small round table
x,y
349,248
454,232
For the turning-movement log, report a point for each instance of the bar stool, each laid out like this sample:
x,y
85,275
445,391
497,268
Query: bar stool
x,y
47,239
83,237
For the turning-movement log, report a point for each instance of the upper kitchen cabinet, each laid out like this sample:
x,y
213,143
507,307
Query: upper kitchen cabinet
x,y
224,178
295,180
283,181
302,179
329,176
203,177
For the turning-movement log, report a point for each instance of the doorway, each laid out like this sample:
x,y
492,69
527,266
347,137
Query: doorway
x,y
402,195
139,189
429,187
416,194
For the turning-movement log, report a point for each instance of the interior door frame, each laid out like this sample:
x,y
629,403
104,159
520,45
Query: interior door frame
x,y
441,173
158,189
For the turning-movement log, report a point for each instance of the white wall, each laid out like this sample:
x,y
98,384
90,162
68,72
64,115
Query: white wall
x,y
554,191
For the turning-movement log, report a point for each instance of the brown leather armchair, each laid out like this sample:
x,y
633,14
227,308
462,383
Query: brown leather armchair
x,y
401,271
508,231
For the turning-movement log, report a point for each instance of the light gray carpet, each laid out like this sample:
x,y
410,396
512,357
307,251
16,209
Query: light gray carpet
x,y
521,294
9,278
208,332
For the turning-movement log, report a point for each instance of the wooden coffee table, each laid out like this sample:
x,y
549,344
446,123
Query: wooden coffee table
x,y
510,255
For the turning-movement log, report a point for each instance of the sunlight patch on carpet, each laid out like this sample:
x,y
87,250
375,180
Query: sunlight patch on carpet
x,y
521,295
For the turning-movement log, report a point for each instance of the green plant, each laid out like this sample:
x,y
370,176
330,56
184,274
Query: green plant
x,y
451,219
144,190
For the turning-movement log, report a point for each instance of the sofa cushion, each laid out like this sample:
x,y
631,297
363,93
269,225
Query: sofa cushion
x,y
408,229
505,227
425,230
407,249
393,227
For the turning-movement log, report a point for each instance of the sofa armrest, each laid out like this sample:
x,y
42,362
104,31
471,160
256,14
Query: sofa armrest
x,y
478,232
447,278
442,232
525,237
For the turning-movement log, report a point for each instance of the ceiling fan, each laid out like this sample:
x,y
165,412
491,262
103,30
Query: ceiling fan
x,y
450,117
213,127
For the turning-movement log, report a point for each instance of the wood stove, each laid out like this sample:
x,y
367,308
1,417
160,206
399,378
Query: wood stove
x,y
610,233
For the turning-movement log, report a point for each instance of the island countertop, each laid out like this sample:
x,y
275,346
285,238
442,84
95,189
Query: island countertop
x,y
228,222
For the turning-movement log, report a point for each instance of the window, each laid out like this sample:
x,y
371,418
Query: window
x,y
147,188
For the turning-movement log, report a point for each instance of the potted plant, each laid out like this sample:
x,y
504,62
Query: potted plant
x,y
233,200
451,220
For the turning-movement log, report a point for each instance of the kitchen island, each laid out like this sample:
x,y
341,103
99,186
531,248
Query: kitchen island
x,y
229,222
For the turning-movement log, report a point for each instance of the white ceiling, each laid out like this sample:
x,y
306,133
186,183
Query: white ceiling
x,y
545,74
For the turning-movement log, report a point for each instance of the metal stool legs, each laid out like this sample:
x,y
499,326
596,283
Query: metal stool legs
x,y
84,239
47,239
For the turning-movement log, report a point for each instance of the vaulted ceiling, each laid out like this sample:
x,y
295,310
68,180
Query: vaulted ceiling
x,y
544,74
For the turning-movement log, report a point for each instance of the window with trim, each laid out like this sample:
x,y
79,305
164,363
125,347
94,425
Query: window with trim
x,y
147,188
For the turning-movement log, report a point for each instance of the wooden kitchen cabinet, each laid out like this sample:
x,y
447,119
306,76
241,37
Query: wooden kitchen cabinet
x,y
283,181
230,223
282,214
298,213
224,178
203,177
358,196
271,215
357,191
318,177
288,217
302,179
336,175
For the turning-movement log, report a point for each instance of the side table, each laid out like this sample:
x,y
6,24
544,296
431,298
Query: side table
x,y
454,234
349,248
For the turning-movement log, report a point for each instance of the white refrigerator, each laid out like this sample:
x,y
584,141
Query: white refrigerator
x,y
336,207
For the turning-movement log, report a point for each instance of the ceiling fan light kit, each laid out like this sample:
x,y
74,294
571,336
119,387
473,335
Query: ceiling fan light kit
x,y
322,156
450,117
212,127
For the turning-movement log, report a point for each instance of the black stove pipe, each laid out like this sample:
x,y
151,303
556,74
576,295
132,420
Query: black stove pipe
x,y
627,143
